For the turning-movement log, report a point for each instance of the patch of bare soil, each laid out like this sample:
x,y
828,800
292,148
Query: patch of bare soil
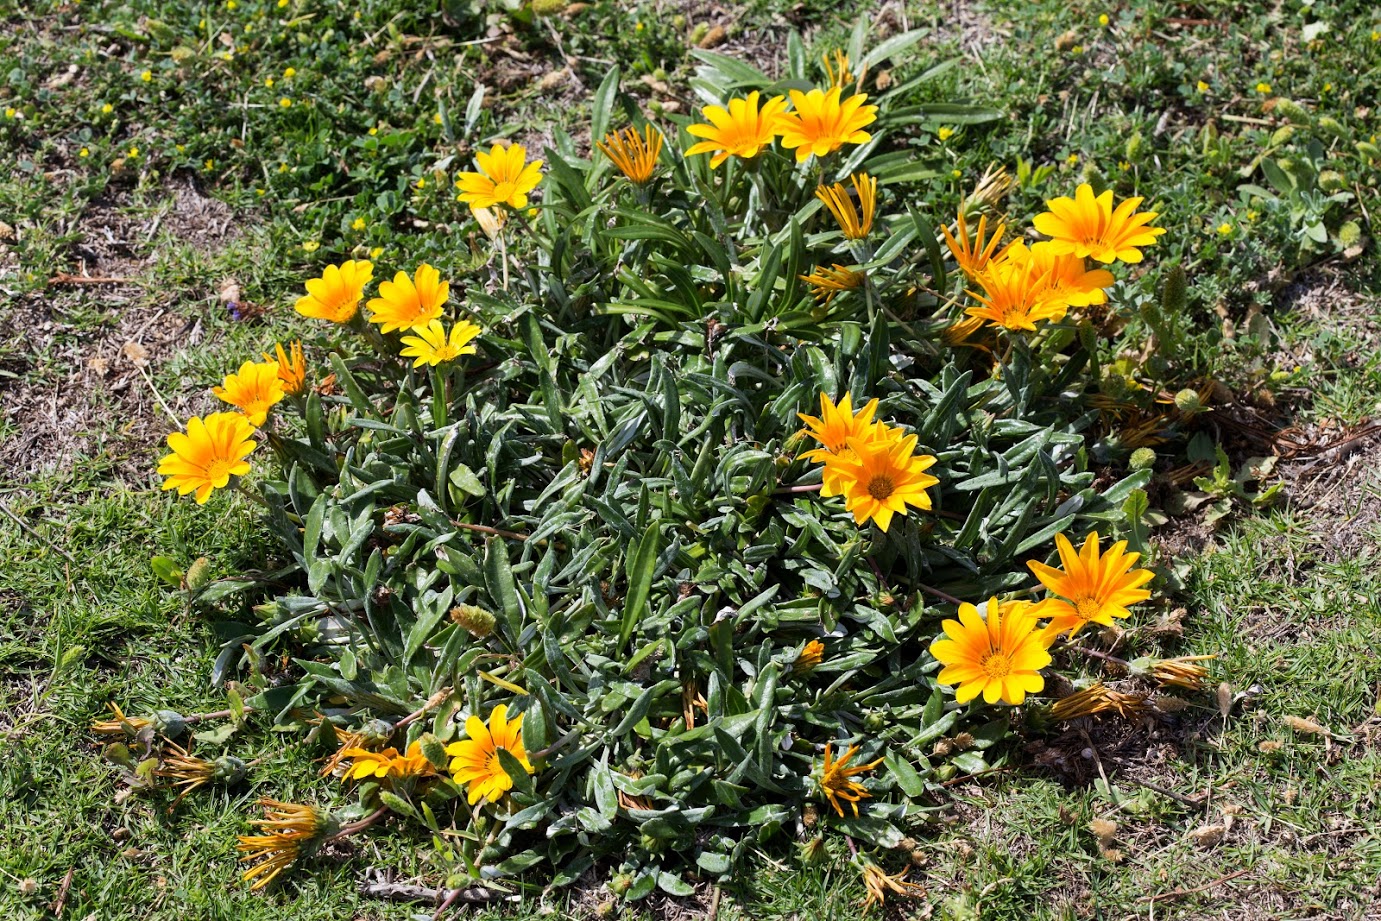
x,y
80,355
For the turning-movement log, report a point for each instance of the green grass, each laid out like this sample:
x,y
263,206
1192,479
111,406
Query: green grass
x,y
1285,613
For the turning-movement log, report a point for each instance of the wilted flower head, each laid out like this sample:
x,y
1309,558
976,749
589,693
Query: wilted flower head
x,y
836,779
292,831
634,153
292,367
827,282
810,656
189,772
1095,699
855,223
128,726
1181,672
879,885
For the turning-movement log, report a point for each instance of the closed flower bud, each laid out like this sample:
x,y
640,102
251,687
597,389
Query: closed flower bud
x,y
813,850
1187,401
1293,111
169,723
1330,180
1333,126
1134,146
476,621
376,732
621,883
199,573
228,769
1142,459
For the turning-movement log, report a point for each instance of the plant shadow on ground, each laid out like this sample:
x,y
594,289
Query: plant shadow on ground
x,y
1287,600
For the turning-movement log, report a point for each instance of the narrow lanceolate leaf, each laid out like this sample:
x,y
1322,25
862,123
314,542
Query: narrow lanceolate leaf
x,y
639,568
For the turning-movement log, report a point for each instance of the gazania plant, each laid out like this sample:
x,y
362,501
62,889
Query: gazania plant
x,y
741,470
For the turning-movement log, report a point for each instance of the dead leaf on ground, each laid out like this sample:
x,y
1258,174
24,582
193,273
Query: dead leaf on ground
x,y
136,353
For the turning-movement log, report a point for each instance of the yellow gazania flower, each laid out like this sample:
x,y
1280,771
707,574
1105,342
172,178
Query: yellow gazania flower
x,y
827,282
1089,226
254,389
741,130
208,454
336,295
810,656
475,760
836,782
974,257
882,477
1068,280
837,70
633,153
292,367
1000,658
431,345
1092,588
505,178
856,224
386,763
407,304
292,831
821,122
1015,299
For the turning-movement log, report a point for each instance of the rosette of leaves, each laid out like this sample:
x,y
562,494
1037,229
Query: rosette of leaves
x,y
615,478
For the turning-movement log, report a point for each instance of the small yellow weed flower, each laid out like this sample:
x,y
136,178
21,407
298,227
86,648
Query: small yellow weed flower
x,y
945,133
973,258
1092,588
289,73
505,178
1263,88
409,303
856,223
999,658
147,76
358,224
107,109
336,295
827,282
432,346
1224,229
633,153
208,454
84,152
1086,225
475,759
1203,86
254,390
311,246
882,476
836,779
285,102
1103,19
292,367
821,122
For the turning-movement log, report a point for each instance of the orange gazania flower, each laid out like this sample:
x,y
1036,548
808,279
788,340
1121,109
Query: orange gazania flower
x,y
292,367
741,130
336,295
821,122
254,390
208,454
1092,588
504,178
633,153
855,223
973,257
409,303
1013,298
1000,657
836,779
1086,225
1068,281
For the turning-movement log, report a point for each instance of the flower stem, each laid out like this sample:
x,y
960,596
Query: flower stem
x,y
354,827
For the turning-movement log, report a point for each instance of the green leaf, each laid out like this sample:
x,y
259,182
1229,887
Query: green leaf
x,y
602,108
167,570
639,570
